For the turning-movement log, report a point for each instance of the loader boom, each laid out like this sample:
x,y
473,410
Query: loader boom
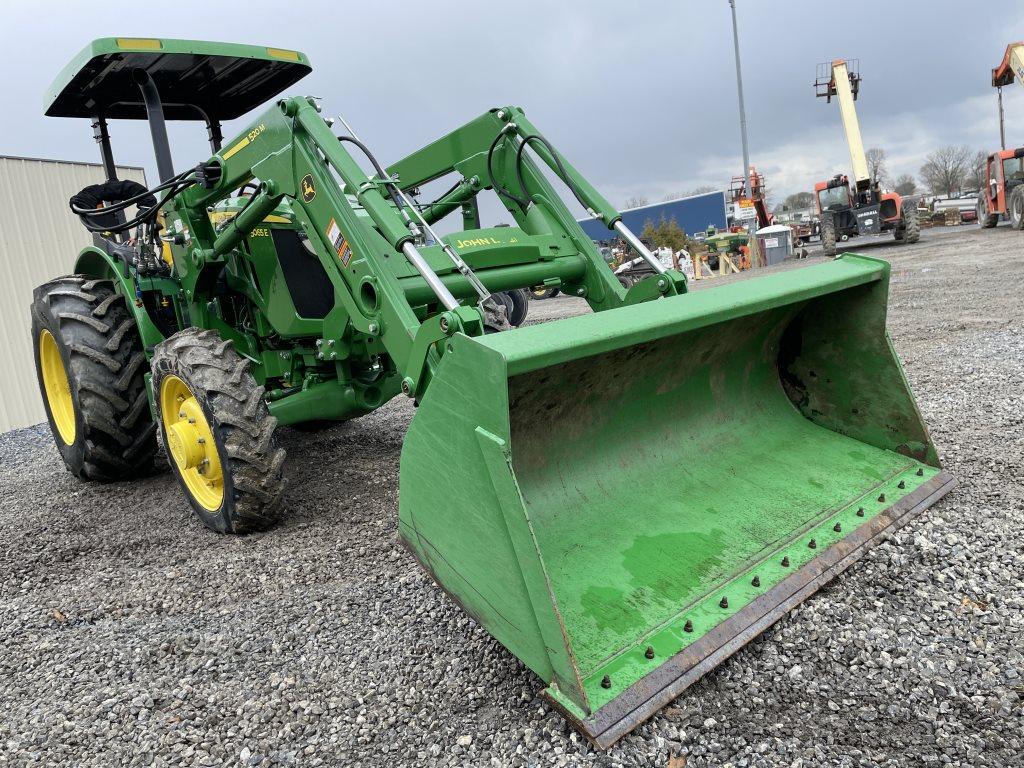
x,y
396,294
1011,67
844,86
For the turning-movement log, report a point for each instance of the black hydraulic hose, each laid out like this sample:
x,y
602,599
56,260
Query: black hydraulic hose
x,y
454,186
377,167
562,174
498,188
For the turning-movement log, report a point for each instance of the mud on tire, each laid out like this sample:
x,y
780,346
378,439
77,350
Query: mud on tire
x,y
1016,207
105,364
828,236
986,220
243,429
911,222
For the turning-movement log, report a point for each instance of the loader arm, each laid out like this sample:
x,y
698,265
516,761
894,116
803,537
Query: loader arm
x,y
396,293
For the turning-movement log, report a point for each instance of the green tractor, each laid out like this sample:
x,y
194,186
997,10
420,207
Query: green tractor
x,y
622,499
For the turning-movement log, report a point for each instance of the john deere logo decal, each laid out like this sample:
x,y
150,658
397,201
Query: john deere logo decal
x,y
307,189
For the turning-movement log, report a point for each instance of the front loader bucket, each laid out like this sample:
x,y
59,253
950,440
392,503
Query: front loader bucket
x,y
624,499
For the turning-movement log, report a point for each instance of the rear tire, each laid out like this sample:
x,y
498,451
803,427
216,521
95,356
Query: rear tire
x,y
520,306
244,458
93,389
1016,206
986,220
828,236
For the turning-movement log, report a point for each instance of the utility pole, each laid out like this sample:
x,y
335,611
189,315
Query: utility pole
x,y
743,113
748,193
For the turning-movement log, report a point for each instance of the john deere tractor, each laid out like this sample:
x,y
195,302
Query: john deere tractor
x,y
622,499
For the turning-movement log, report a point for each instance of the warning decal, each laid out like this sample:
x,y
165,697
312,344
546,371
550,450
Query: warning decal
x,y
339,243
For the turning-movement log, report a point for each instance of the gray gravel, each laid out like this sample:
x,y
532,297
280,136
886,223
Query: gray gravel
x,y
133,636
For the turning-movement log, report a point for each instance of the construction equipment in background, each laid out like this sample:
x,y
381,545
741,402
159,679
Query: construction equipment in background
x,y
756,200
861,208
1010,68
1002,194
277,282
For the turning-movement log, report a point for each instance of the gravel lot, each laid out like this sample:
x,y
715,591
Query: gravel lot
x,y
133,636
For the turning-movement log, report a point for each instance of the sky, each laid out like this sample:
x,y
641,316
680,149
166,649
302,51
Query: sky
x,y
640,96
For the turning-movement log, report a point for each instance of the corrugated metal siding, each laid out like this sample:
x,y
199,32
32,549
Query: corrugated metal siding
x,y
39,240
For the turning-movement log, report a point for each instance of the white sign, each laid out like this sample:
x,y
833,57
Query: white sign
x,y
771,242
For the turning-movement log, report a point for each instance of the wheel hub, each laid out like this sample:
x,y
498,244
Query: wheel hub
x,y
191,443
57,388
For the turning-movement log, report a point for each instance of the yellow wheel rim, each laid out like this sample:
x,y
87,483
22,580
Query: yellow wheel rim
x,y
57,388
190,443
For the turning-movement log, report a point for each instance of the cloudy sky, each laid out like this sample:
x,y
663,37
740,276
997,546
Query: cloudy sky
x,y
641,96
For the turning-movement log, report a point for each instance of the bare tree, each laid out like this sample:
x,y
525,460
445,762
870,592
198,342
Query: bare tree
x,y
635,202
797,201
701,190
975,178
876,164
944,169
905,184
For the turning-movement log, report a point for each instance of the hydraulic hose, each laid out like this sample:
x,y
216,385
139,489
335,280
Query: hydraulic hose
x,y
498,188
176,185
562,174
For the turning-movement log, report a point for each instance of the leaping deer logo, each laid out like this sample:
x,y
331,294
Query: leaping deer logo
x,y
306,188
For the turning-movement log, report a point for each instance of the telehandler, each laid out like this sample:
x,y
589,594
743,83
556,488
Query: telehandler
x,y
1002,192
849,210
623,499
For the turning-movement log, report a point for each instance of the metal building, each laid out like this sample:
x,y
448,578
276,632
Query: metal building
x,y
39,239
692,213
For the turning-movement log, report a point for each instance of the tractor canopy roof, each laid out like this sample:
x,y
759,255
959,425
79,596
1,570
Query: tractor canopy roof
x,y
196,80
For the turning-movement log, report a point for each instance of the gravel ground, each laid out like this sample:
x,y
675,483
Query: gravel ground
x,y
133,636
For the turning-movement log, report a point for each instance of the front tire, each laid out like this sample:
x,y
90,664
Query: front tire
x,y
911,223
520,306
542,292
986,220
828,236
217,432
1016,206
91,369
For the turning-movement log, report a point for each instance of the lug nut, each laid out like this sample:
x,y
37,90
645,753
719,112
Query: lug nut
x,y
860,512
724,602
920,472
837,527
812,544
756,581
649,653
785,562
688,626
881,497
606,682
902,484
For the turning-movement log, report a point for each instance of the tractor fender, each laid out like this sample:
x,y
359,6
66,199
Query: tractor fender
x,y
96,263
